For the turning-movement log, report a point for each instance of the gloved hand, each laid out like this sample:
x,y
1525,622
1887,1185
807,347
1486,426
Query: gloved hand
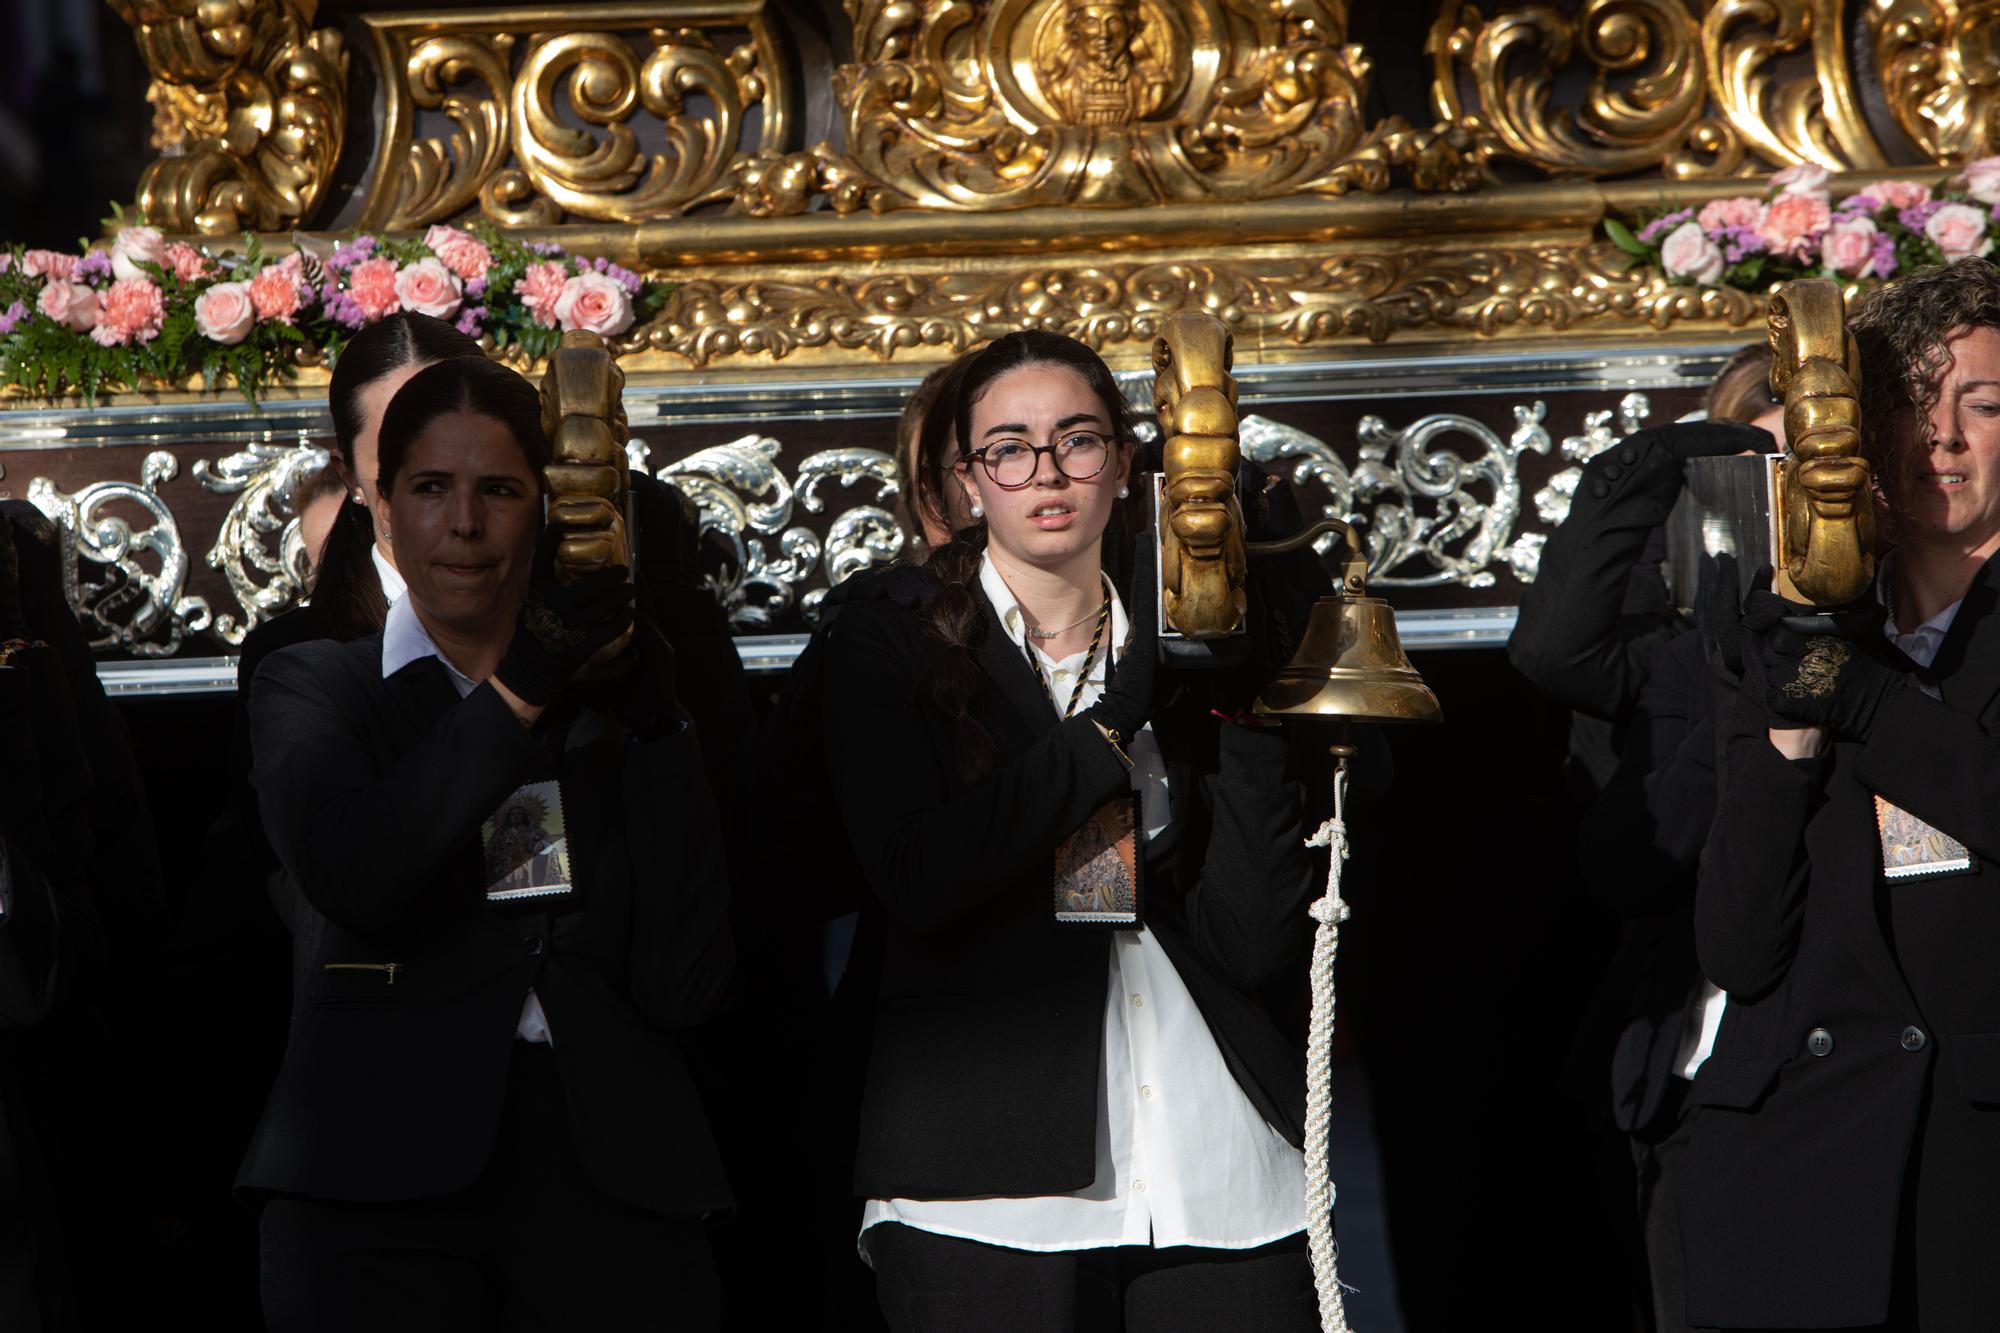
x,y
561,625
1719,617
1811,680
637,688
1128,701
1653,459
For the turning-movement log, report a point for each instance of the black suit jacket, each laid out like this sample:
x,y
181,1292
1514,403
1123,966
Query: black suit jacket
x,y
373,792
983,1076
1798,1163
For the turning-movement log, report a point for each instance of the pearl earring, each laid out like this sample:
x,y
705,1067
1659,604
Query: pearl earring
x,y
978,510
1124,491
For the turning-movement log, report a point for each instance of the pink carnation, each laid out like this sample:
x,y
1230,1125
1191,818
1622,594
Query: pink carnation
x,y
131,311
186,262
461,252
70,304
372,284
49,264
595,302
540,288
1901,194
1722,214
274,294
427,287
1794,223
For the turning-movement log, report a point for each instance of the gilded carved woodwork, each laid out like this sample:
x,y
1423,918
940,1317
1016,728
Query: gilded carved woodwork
x,y
583,414
1202,559
250,106
1938,68
551,120
1826,507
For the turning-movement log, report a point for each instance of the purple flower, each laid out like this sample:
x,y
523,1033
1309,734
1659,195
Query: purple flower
x,y
1883,263
475,289
546,249
469,318
1858,203
15,313
625,278
96,264
1916,216
343,309
1739,243
1660,226
347,256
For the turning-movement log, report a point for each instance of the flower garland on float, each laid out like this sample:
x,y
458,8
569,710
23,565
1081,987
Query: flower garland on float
x,y
149,311
1797,230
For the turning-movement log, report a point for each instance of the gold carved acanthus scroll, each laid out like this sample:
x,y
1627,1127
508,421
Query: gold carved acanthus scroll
x,y
1202,560
1826,525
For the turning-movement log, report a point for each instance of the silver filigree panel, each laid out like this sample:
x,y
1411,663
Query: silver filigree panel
x,y
259,548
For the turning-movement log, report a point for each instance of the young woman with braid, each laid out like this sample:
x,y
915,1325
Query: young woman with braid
x,y
1065,1126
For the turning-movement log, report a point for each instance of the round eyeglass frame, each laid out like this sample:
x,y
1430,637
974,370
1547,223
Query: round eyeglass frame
x,y
1035,467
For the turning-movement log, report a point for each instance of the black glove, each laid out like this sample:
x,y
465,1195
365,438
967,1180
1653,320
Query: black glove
x,y
637,688
1127,702
561,625
1718,616
1811,680
13,616
1654,458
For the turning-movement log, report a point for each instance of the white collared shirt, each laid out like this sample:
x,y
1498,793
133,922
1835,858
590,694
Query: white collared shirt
x,y
391,580
1183,1158
405,640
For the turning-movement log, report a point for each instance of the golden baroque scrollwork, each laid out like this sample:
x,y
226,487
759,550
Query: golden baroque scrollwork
x,y
1268,304
594,121
251,102
1939,62
1004,104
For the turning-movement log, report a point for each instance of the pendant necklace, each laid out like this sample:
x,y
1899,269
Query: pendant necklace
x,y
1044,635
1089,659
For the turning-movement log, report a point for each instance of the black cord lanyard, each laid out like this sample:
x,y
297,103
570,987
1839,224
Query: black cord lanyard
x,y
1089,659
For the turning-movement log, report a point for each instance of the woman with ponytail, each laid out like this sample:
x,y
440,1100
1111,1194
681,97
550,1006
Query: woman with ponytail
x,y
1079,1112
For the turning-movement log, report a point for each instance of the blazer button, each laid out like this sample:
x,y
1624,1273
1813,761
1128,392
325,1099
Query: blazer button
x,y
1600,489
1628,455
532,946
1819,1041
1612,472
1914,1039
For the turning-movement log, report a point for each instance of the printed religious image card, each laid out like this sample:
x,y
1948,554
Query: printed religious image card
x,y
527,849
1097,869
1910,847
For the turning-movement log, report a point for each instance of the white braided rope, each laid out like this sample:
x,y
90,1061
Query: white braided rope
x,y
1329,911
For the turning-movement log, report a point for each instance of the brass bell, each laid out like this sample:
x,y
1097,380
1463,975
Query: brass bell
x,y
1350,665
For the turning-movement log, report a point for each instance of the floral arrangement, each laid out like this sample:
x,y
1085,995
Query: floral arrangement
x,y
1796,230
149,310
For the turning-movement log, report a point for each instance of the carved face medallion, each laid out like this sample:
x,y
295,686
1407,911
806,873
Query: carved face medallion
x,y
1097,63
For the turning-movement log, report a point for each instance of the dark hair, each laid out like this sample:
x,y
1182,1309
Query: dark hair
x,y
1741,390
953,617
1904,331
921,436
347,593
461,384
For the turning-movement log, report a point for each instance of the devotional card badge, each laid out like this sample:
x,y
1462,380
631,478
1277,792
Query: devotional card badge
x,y
1910,847
1098,869
527,845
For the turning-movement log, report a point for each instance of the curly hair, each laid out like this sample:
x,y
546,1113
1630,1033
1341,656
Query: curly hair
x,y
1904,331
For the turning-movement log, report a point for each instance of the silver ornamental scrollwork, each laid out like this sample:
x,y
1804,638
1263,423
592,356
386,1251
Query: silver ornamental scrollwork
x,y
133,607
1601,430
745,498
1414,504
259,548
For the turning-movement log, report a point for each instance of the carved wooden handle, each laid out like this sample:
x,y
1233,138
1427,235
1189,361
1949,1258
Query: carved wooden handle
x,y
1825,504
1202,566
583,411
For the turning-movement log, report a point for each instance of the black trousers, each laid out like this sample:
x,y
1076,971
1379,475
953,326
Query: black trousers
x,y
533,1245
928,1283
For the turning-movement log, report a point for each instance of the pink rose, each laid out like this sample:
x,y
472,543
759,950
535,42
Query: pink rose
x,y
1959,230
274,294
225,312
1806,178
1982,180
70,304
130,311
1848,247
595,302
134,246
49,264
186,262
1689,253
372,284
464,254
1794,222
1901,194
540,288
428,288
1725,213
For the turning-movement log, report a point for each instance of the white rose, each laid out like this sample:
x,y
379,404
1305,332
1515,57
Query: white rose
x,y
1982,180
595,302
1689,254
134,246
427,287
1960,231
224,312
1806,178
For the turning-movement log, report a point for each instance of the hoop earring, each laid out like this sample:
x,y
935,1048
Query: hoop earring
x,y
978,510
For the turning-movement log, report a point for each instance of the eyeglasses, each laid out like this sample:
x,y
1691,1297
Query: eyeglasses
x,y
1012,464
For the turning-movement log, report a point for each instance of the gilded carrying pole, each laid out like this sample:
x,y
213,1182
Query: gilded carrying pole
x,y
1824,503
583,412
1202,565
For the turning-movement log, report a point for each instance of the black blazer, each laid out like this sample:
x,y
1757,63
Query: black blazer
x,y
989,1023
1798,1163
373,792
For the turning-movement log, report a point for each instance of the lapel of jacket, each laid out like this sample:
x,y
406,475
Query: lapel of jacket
x,y
1006,667
1968,661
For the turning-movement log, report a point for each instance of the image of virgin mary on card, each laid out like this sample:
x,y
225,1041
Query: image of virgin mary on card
x,y
1096,873
526,846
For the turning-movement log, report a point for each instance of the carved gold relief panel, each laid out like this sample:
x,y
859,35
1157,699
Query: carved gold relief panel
x,y
553,110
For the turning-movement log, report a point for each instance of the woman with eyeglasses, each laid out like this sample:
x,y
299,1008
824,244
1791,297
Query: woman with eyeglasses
x,y
1079,1112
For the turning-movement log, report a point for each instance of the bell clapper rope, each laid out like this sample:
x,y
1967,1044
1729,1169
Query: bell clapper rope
x,y
1329,911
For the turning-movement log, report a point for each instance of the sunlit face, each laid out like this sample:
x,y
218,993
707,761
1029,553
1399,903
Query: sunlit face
x,y
1054,517
465,511
1950,472
315,522
373,398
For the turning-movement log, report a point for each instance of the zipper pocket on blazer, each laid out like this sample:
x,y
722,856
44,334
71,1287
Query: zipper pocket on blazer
x,y
388,970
